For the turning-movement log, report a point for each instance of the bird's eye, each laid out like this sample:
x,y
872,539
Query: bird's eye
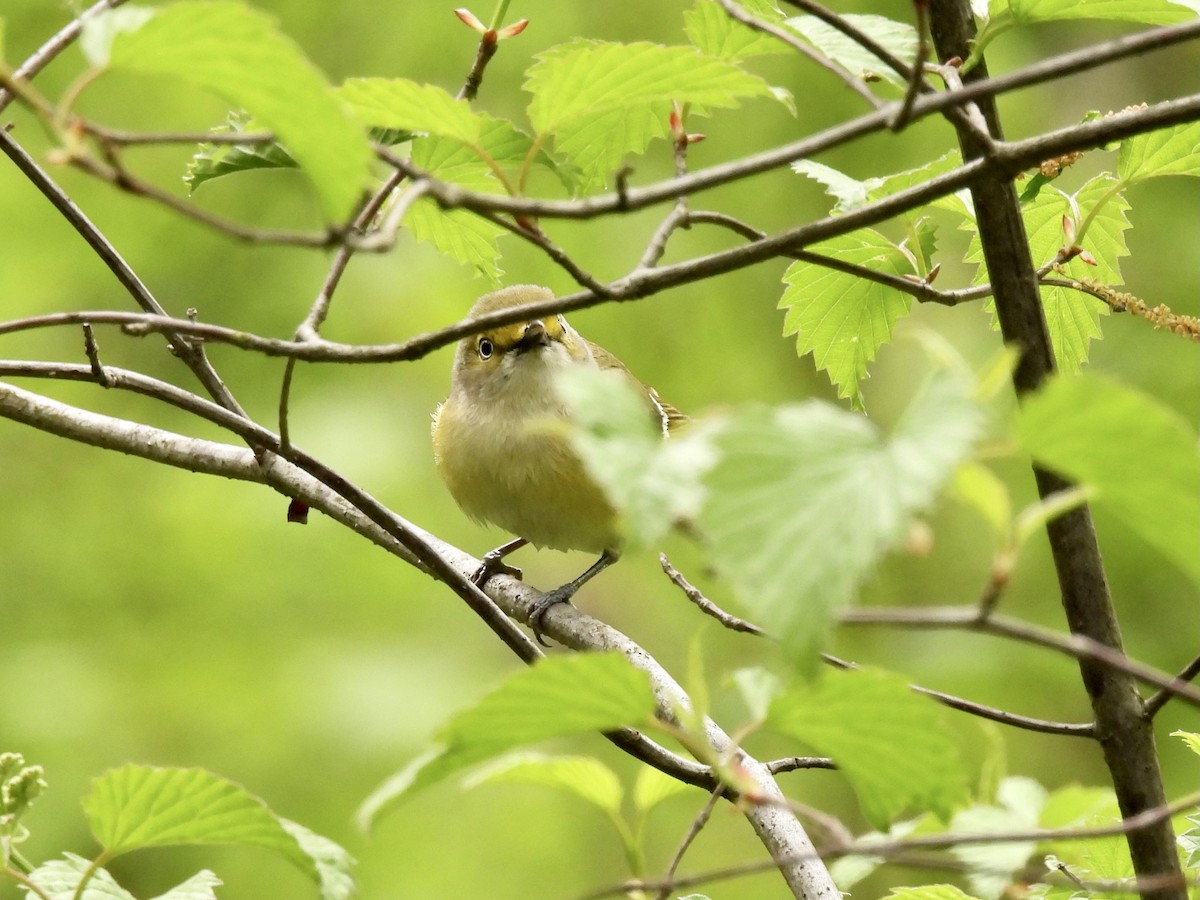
x,y
486,348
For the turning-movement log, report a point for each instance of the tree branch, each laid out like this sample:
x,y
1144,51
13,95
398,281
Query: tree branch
x,y
299,475
1125,734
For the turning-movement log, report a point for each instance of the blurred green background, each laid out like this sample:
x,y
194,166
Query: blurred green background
x,y
155,616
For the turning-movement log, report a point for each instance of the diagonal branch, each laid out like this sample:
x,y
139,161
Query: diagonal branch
x,y
295,473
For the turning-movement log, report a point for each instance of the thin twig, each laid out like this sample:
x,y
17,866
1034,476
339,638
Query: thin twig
x,y
916,75
125,275
61,40
122,138
966,618
92,349
855,83
697,825
706,606
131,184
1160,697
794,763
311,326
901,851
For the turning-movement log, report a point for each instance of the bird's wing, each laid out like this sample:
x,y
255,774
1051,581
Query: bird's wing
x,y
669,418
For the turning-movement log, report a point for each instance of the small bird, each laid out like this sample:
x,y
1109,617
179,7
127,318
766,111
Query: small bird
x,y
501,462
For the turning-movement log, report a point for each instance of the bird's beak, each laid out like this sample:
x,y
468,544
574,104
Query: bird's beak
x,y
534,337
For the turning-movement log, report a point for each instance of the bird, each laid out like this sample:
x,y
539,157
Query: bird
x,y
499,454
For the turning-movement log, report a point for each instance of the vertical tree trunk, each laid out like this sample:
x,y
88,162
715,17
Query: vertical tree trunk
x,y
1125,733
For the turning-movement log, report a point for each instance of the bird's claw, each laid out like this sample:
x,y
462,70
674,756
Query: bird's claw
x,y
493,564
538,613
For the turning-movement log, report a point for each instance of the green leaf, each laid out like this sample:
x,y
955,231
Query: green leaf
x,y
238,54
134,807
715,33
1191,739
893,745
1101,201
1073,317
1073,320
1189,843
400,103
199,887
601,101
929,892
991,866
899,38
1139,456
652,483
840,318
807,498
887,185
560,695
1150,12
1170,151
653,787
59,879
583,776
458,233
215,160
849,192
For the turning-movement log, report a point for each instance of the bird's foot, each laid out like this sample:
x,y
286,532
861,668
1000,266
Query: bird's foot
x,y
549,599
493,564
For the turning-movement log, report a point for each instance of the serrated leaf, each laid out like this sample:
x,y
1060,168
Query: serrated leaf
x,y
715,33
652,483
199,887
1169,151
849,192
1150,12
458,233
1102,201
401,103
96,37
1191,739
653,787
1073,320
1072,317
1139,456
238,54
59,879
840,318
134,807
583,776
560,695
1189,843
807,498
899,38
893,745
929,892
215,160
887,185
601,101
